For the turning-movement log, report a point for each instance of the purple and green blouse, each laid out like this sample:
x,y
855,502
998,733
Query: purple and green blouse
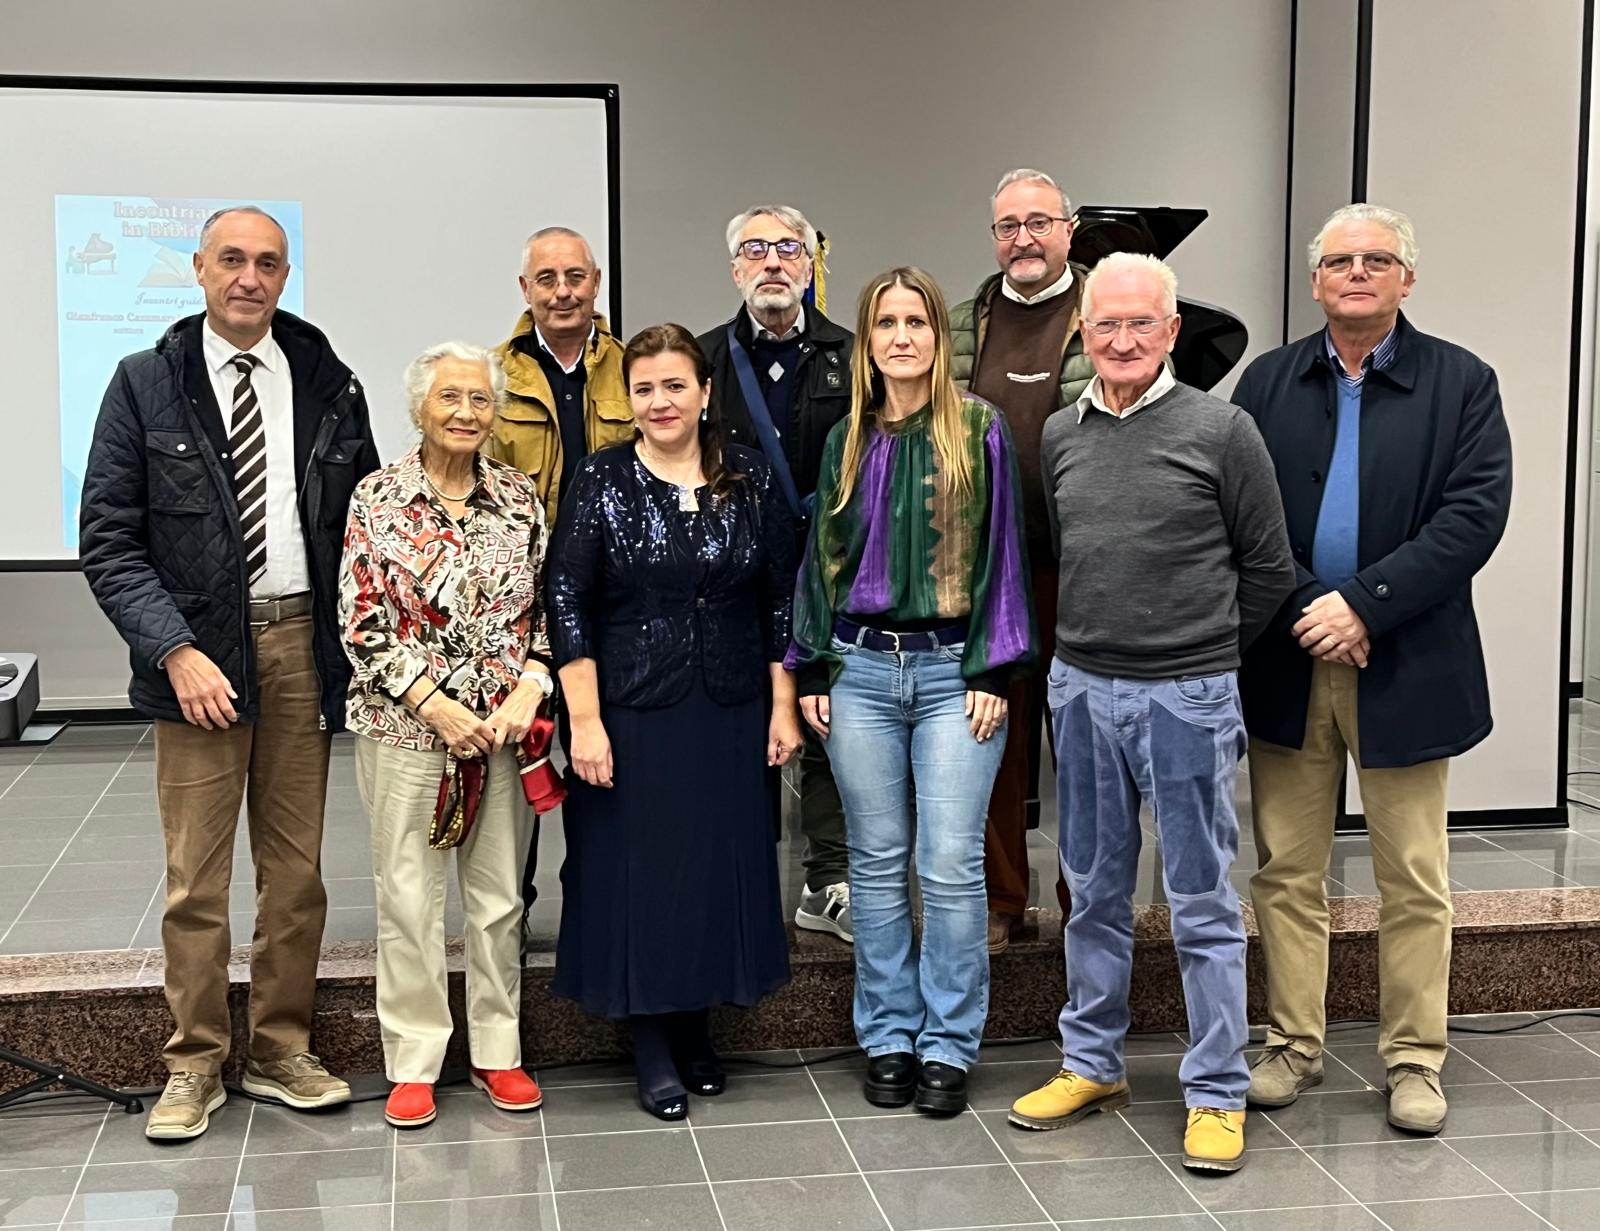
x,y
909,552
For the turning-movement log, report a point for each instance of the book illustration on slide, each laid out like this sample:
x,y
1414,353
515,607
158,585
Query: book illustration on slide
x,y
168,269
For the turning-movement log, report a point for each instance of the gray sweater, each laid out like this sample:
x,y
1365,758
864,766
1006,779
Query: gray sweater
x,y
1170,533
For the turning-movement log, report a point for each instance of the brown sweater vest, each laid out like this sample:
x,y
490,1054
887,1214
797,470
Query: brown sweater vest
x,y
1019,370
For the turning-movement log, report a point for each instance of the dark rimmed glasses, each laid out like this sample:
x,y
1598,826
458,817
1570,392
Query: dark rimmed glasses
x,y
1039,225
787,249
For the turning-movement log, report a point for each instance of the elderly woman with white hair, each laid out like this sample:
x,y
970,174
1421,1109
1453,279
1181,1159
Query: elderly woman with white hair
x,y
443,621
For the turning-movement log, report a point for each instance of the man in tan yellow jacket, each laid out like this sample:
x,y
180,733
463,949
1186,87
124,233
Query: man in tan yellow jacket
x,y
565,396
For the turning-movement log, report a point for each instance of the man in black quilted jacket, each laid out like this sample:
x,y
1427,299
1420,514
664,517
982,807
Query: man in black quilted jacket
x,y
213,516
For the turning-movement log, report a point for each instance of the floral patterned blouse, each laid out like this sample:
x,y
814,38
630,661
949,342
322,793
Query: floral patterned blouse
x,y
421,593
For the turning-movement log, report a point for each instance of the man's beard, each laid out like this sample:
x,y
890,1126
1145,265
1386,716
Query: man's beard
x,y
765,297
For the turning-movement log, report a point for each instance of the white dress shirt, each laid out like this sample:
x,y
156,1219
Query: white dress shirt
x,y
287,571
1059,287
758,330
1094,398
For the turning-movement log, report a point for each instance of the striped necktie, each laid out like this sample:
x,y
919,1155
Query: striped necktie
x,y
247,442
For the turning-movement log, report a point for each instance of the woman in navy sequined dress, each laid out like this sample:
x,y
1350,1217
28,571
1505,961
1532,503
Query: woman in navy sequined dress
x,y
670,582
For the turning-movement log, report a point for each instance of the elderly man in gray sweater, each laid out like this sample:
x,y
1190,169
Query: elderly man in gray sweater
x,y
1173,553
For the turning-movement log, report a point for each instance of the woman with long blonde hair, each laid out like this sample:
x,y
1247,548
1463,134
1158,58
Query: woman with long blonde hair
x,y
912,613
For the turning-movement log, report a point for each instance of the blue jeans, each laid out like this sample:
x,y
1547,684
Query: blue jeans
x,y
1176,744
899,725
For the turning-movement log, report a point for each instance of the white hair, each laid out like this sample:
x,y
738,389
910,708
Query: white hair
x,y
1405,236
786,214
1027,175
1135,262
419,372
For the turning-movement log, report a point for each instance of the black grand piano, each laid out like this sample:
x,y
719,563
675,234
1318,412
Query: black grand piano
x,y
1212,339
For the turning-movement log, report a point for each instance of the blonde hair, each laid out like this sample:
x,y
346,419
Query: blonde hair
x,y
867,390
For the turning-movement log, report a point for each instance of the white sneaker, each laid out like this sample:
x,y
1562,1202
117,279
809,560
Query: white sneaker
x,y
826,910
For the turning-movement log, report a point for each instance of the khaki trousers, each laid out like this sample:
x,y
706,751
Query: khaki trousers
x,y
202,778
1294,796
399,787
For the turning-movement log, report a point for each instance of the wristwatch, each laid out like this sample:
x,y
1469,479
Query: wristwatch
x,y
543,679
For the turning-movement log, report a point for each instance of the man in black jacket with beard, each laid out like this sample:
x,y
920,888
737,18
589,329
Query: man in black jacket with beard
x,y
213,515
793,363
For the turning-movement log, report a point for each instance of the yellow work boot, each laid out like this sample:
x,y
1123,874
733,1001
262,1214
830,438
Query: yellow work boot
x,y
1214,1140
1066,1097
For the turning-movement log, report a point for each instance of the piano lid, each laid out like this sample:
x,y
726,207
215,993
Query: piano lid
x,y
1152,229
1212,339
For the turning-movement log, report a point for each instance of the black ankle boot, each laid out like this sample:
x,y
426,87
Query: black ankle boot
x,y
891,1079
694,1056
941,1088
661,1093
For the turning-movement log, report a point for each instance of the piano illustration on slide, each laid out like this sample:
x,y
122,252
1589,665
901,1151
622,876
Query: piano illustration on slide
x,y
95,251
1212,339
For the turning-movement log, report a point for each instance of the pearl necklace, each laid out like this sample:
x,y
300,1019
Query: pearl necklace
x,y
440,492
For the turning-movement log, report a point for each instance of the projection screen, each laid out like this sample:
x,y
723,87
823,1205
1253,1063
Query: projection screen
x,y
406,208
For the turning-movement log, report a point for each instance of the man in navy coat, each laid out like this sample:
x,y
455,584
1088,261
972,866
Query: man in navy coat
x,y
1394,464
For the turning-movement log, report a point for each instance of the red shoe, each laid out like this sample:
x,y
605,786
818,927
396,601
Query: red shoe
x,y
508,1089
410,1105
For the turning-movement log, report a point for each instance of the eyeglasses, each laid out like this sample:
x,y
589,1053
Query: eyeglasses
x,y
1141,326
1039,225
547,279
1374,262
756,249
452,398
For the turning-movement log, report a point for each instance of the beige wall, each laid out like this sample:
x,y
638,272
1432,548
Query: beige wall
x,y
887,123
1324,138
1475,107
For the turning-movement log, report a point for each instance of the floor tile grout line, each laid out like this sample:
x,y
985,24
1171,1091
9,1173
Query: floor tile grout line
x,y
1122,1115
4,935
848,1149
1338,1183
549,1167
394,1172
1328,1051
238,1171
155,894
1049,1217
688,1120
84,1170
1503,1189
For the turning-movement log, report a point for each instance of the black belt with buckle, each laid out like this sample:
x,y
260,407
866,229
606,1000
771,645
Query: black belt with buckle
x,y
271,610
895,643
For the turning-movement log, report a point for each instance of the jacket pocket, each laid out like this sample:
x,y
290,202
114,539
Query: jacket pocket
x,y
337,464
613,421
178,481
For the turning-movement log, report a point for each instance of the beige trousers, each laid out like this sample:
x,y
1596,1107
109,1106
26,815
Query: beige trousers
x,y
1294,796
399,787
280,765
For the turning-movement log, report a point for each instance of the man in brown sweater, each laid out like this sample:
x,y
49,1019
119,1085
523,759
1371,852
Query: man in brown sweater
x,y
1016,344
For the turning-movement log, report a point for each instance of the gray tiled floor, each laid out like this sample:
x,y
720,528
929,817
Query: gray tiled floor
x,y
81,864
797,1148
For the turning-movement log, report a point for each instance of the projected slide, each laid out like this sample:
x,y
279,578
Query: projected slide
x,y
124,272
95,268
